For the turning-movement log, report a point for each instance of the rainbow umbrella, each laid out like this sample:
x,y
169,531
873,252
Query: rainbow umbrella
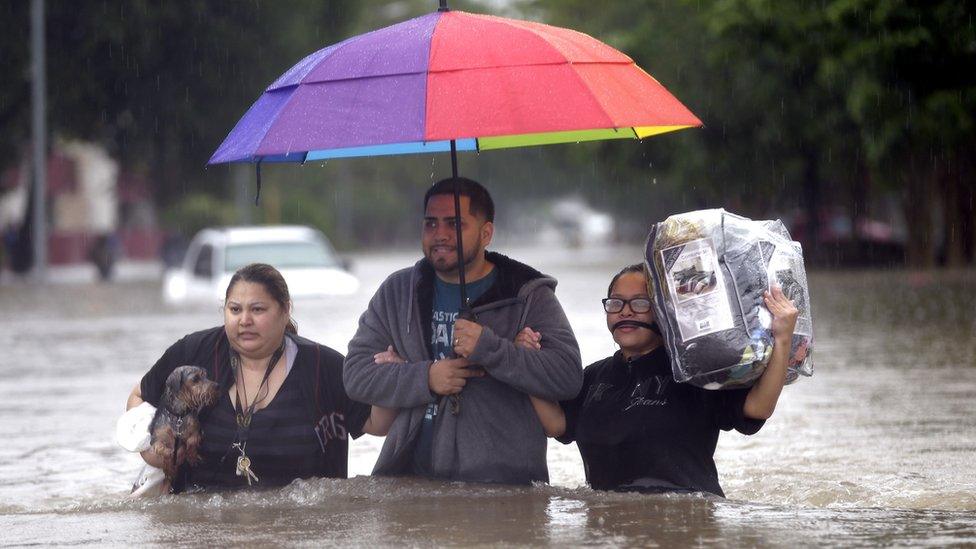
x,y
452,81
484,82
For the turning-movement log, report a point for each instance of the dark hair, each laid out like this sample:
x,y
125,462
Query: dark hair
x,y
635,268
272,282
481,202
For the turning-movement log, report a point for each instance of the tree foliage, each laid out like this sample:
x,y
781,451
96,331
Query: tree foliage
x,y
159,83
812,104
808,106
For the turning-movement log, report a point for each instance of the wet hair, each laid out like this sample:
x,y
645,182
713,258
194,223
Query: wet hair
x,y
481,202
271,280
635,268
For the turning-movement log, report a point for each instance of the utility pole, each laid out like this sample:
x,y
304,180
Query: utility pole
x,y
39,141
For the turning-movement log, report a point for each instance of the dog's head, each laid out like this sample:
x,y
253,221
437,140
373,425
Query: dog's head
x,y
188,390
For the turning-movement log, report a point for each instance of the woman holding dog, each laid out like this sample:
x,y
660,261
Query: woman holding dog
x,y
639,430
281,412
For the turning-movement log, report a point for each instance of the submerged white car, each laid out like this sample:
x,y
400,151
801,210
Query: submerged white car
x,y
304,256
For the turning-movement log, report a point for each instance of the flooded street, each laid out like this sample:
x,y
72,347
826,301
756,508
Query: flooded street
x,y
877,448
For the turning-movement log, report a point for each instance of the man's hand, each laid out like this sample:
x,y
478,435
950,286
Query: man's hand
x,y
389,356
466,334
529,338
450,375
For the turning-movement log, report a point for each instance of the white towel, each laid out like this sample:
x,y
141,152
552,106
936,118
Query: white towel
x,y
132,429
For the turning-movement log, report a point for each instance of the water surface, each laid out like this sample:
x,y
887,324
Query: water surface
x,y
877,448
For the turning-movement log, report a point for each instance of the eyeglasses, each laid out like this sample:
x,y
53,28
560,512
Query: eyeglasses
x,y
637,304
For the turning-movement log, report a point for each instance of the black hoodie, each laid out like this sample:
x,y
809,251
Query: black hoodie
x,y
638,429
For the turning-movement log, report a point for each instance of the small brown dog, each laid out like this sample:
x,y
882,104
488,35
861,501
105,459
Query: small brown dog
x,y
175,429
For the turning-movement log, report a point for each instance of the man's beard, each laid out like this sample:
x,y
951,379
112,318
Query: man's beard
x,y
450,265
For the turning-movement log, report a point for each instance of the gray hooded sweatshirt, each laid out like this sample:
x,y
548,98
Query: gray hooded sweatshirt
x,y
497,436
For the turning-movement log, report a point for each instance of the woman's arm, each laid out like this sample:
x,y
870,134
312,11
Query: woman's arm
x,y
550,414
761,400
135,398
379,421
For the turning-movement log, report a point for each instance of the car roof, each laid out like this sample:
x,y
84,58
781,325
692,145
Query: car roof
x,y
267,233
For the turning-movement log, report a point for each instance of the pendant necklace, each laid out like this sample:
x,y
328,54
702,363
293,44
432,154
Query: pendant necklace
x,y
243,417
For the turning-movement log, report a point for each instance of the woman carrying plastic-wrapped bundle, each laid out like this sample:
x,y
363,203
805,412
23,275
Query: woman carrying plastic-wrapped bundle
x,y
639,430
709,272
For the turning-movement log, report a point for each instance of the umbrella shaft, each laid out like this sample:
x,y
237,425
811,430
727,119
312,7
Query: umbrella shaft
x,y
457,228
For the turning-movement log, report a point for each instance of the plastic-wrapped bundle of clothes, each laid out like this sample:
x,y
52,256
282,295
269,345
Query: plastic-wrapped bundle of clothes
x,y
709,269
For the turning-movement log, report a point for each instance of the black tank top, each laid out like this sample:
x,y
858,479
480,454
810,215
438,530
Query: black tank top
x,y
281,444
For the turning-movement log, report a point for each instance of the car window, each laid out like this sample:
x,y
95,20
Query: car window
x,y
204,264
281,255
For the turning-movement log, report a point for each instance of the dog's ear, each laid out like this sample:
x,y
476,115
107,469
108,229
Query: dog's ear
x,y
174,382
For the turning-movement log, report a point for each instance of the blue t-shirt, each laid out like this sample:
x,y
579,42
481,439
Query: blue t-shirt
x,y
447,303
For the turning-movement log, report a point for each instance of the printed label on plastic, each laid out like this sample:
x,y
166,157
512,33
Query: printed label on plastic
x,y
781,269
697,289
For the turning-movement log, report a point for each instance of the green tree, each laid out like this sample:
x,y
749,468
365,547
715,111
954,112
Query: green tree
x,y
810,104
912,93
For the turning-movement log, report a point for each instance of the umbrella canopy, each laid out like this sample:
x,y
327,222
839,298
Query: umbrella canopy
x,y
451,81
481,81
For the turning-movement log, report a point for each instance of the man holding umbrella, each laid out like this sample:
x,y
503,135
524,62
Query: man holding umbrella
x,y
414,352
456,81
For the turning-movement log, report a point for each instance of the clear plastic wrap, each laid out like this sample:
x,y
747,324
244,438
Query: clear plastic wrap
x,y
708,271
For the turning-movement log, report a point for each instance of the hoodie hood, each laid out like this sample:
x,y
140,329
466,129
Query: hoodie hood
x,y
513,282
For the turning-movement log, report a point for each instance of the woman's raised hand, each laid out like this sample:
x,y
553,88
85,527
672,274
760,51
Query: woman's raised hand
x,y
783,311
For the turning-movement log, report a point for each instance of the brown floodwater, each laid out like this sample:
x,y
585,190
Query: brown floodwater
x,y
877,448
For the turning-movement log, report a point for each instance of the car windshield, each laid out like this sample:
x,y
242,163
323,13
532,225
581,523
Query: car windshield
x,y
281,255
